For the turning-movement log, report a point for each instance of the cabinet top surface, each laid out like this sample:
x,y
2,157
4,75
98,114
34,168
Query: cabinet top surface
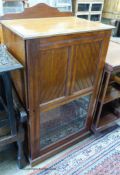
x,y
46,27
113,55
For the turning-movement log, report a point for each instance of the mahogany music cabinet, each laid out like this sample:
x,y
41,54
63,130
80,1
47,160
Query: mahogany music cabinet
x,y
63,59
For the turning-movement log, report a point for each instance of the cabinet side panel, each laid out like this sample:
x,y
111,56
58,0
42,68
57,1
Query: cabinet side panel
x,y
101,64
16,47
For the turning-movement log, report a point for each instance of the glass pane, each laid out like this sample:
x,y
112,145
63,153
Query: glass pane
x,y
63,121
96,7
65,9
13,7
83,7
83,16
95,17
63,5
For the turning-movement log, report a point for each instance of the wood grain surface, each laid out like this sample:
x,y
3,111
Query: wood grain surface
x,y
113,55
46,27
64,59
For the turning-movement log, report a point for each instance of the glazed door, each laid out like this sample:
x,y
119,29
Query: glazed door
x,y
63,73
63,121
78,71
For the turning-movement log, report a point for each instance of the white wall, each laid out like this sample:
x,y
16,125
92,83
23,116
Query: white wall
x,y
1,8
34,2
31,3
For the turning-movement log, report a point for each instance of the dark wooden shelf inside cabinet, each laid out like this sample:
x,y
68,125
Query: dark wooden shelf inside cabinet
x,y
107,119
106,122
111,94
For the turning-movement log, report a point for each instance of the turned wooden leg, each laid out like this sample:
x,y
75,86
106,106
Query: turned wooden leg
x,y
21,116
21,157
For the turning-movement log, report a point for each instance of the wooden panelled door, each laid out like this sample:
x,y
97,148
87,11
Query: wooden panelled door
x,y
61,84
